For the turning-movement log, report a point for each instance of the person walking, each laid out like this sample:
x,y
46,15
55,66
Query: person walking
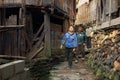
x,y
88,33
70,42
81,37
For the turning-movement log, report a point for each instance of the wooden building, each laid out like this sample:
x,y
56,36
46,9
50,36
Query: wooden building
x,y
109,15
28,27
102,16
98,14
86,11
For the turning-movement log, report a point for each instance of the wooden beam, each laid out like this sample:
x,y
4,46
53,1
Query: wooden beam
x,y
47,34
10,5
36,52
20,16
41,27
66,25
12,57
24,12
36,48
106,24
12,26
0,16
19,41
27,39
104,11
59,17
110,8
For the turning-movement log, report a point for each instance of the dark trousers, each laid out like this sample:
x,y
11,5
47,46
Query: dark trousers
x,y
81,50
69,54
88,42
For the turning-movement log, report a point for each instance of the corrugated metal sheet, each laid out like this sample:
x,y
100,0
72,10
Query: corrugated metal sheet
x,y
86,13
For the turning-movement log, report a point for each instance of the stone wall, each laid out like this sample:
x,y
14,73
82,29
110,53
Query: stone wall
x,y
13,71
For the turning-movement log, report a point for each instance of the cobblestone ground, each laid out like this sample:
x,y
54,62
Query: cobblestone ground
x,y
78,72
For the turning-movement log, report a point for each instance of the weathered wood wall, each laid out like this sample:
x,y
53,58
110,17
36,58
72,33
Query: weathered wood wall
x,y
108,11
11,1
18,42
0,17
98,10
86,12
62,4
47,2
114,6
72,11
12,42
119,3
56,31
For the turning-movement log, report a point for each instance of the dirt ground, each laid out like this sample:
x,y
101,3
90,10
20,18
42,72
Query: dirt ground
x,y
80,71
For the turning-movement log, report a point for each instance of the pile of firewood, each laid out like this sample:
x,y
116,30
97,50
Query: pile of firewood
x,y
105,55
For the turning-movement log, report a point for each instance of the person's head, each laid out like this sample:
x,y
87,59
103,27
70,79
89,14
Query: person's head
x,y
80,28
71,29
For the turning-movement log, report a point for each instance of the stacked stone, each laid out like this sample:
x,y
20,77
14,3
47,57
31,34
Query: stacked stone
x,y
104,58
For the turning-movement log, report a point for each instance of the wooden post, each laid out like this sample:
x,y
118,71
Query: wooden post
x,y
18,41
3,13
104,14
0,17
97,13
47,34
110,7
65,25
24,12
20,16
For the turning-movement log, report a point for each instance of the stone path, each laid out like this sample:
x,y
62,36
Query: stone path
x,y
78,72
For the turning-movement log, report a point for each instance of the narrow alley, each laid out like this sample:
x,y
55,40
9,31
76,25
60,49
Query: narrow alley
x,y
79,72
59,39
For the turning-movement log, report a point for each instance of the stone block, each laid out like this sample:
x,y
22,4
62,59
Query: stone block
x,y
6,71
19,66
11,69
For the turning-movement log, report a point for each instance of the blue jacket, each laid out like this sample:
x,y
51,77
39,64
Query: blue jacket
x,y
70,40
